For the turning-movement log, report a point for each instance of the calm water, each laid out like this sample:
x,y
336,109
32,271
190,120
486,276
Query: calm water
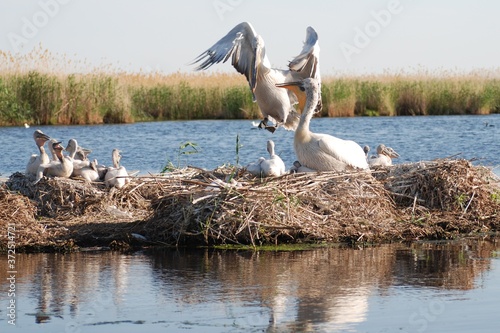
x,y
422,287
149,146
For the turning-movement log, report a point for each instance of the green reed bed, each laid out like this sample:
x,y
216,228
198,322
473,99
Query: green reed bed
x,y
43,94
185,101
39,98
395,95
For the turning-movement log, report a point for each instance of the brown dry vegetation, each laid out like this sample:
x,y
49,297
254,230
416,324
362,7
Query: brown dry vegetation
x,y
426,200
45,88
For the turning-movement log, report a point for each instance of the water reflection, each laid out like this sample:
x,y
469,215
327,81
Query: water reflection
x,y
318,290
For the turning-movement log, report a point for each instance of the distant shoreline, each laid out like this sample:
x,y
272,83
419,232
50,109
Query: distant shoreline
x,y
39,98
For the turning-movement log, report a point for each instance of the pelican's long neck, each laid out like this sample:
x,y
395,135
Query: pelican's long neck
x,y
302,132
116,159
40,144
44,157
60,156
52,151
270,149
74,148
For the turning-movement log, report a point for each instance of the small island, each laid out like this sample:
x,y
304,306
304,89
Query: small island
x,y
432,200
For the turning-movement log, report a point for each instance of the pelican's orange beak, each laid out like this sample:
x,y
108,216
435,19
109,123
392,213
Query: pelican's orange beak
x,y
298,89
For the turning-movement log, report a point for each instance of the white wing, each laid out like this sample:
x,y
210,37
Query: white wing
x,y
306,64
239,44
346,151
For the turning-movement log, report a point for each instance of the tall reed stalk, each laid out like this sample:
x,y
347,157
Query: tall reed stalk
x,y
44,95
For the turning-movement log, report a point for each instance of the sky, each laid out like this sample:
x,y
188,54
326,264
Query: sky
x,y
355,37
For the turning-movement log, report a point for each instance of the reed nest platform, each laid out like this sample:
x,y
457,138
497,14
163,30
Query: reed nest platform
x,y
193,207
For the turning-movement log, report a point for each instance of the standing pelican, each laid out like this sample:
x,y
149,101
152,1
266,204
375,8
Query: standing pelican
x,y
116,175
248,57
273,166
36,160
384,156
61,168
321,152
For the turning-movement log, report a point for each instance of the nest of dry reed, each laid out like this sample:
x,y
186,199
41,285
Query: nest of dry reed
x,y
425,200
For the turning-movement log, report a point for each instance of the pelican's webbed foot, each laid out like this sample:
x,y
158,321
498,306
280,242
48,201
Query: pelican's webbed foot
x,y
264,125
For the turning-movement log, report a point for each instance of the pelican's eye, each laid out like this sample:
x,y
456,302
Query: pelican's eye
x,y
302,88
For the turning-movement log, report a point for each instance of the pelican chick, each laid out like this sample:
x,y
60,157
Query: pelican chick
x,y
248,56
82,153
366,149
255,168
321,152
52,151
36,160
384,156
298,168
273,166
89,173
227,183
116,175
100,168
63,167
74,149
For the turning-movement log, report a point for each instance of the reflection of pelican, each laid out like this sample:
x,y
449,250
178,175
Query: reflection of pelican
x,y
248,57
273,166
61,168
117,175
321,152
36,160
384,156
351,308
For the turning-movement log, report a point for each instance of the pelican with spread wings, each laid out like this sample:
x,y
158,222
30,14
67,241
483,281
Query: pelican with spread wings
x,y
248,56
